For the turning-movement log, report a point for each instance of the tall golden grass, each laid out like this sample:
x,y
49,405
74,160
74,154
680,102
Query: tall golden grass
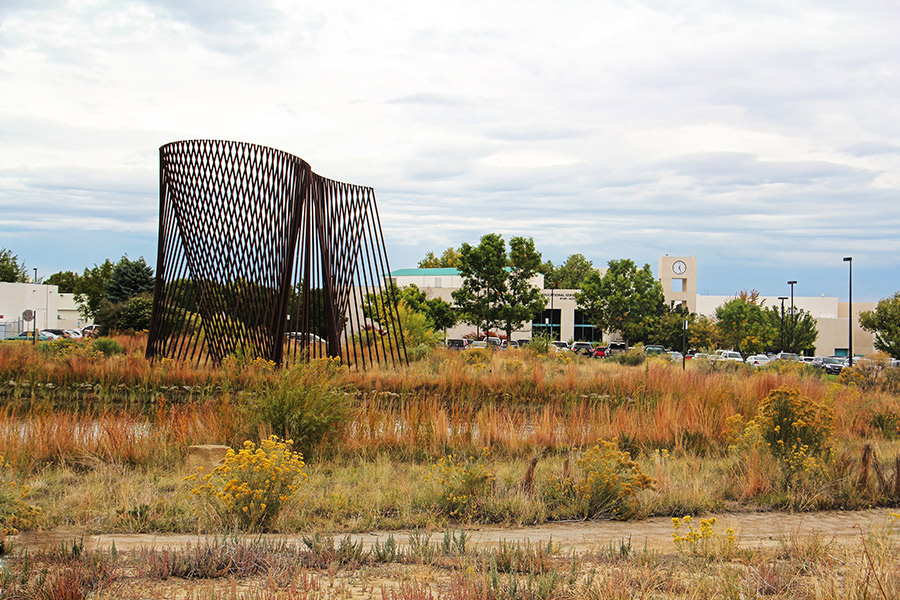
x,y
515,403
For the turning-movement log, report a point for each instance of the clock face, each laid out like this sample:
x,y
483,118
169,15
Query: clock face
x,y
679,267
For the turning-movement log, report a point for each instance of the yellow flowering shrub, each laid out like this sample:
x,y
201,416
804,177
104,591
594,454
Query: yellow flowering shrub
x,y
248,490
704,540
606,483
797,431
463,484
15,513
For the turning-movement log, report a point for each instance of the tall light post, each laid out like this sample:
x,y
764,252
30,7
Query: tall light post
x,y
684,344
34,339
791,283
781,333
849,261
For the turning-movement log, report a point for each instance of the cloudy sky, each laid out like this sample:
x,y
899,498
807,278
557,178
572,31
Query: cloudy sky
x,y
761,136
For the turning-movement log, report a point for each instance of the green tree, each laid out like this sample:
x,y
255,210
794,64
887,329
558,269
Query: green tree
x,y
805,330
67,282
130,315
742,324
625,299
670,327
440,313
702,332
568,275
496,291
884,322
10,269
129,278
449,259
93,289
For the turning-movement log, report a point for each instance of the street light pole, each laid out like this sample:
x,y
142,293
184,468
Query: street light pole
x,y
849,261
684,344
791,283
34,338
781,325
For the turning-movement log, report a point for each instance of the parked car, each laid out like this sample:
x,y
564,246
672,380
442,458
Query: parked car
x,y
74,333
309,338
29,336
493,341
676,356
729,355
478,344
757,360
833,365
582,348
653,349
560,345
599,352
60,333
507,344
807,359
89,330
457,343
787,356
615,348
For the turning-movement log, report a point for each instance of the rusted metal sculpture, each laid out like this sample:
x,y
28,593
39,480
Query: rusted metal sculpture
x,y
259,255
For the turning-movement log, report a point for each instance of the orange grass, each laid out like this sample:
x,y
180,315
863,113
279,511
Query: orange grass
x,y
514,403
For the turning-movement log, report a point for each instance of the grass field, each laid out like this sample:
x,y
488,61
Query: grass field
x,y
457,440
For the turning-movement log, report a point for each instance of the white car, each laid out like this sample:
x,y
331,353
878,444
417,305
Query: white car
x,y
729,355
758,360
560,345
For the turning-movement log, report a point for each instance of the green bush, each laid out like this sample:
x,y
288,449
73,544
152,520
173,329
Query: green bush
x,y
303,404
15,513
463,484
107,346
540,343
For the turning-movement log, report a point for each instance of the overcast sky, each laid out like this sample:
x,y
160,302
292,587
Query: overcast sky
x,y
761,136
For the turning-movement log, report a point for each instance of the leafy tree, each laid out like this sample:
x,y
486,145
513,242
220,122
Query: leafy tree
x,y
743,325
625,299
702,332
805,330
496,290
93,289
884,322
10,269
440,313
568,275
449,259
131,315
67,282
670,327
129,278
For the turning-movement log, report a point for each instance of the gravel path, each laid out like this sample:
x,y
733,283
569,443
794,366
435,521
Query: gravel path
x,y
752,530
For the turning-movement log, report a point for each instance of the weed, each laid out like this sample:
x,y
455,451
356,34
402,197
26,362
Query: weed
x,y
463,483
249,488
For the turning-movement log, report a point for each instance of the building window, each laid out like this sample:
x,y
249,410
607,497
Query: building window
x,y
547,322
584,330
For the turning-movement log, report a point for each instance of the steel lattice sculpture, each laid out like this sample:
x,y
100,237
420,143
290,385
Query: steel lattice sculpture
x,y
259,254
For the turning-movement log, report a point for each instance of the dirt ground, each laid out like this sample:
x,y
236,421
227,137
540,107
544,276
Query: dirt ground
x,y
753,529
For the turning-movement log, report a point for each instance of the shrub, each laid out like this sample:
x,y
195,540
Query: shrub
x,y
463,484
303,404
15,513
247,490
699,541
540,343
796,430
107,346
607,483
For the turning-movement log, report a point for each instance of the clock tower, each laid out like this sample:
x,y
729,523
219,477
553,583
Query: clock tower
x,y
678,276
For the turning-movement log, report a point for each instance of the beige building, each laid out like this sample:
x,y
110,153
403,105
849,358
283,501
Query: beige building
x,y
678,276
51,309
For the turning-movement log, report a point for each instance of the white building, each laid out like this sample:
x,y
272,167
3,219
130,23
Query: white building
x,y
51,309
